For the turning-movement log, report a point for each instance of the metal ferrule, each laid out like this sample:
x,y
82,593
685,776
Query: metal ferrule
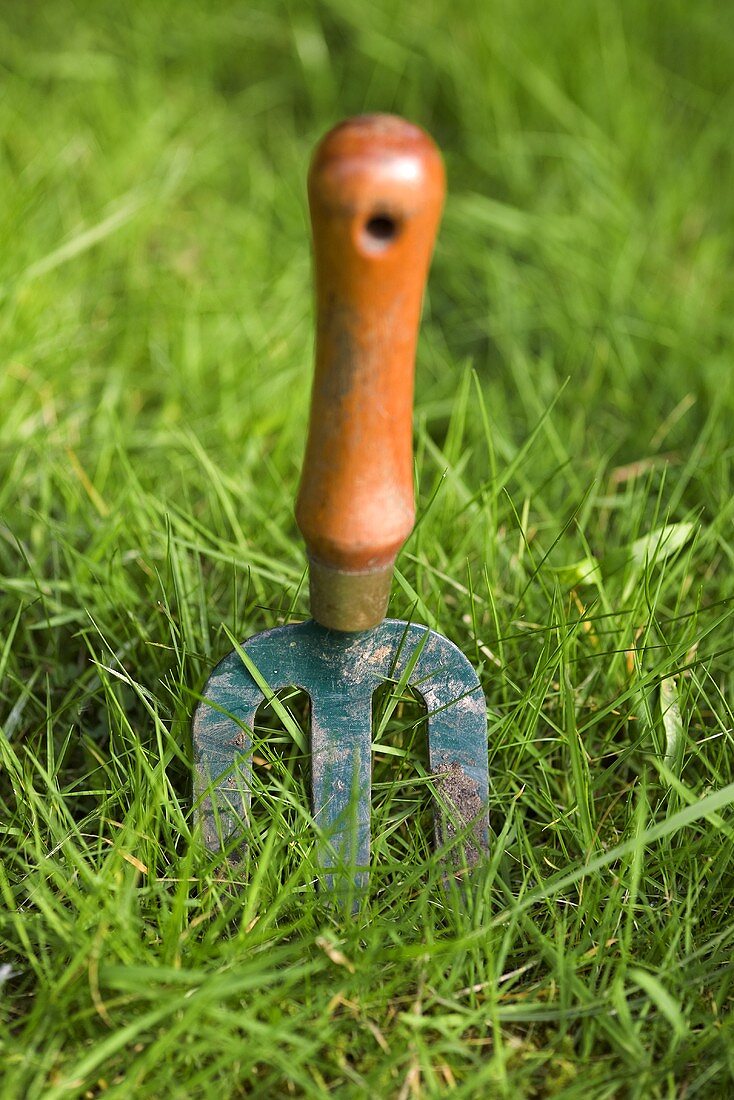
x,y
350,602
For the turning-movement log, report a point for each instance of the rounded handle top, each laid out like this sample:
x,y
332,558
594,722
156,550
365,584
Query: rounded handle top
x,y
379,172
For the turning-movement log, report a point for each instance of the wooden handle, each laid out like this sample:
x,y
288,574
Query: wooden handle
x,y
376,189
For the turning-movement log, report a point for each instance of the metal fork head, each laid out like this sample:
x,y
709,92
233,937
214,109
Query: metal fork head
x,y
340,673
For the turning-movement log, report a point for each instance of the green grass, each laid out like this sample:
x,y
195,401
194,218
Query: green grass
x,y
574,462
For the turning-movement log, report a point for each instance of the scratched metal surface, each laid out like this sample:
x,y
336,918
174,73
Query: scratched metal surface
x,y
340,672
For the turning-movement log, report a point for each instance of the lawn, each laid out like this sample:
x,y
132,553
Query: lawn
x,y
574,471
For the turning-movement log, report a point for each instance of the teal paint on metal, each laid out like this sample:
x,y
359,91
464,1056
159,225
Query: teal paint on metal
x,y
340,673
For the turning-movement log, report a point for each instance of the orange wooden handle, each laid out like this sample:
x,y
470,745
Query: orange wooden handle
x,y
376,190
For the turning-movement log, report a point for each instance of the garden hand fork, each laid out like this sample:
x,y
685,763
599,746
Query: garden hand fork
x,y
376,189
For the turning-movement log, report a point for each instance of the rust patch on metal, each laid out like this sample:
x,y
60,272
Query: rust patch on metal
x,y
463,807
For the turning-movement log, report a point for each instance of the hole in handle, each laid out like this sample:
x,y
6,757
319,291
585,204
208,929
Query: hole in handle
x,y
381,227
378,231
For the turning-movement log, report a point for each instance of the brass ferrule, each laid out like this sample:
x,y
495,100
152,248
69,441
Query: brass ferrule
x,y
349,601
